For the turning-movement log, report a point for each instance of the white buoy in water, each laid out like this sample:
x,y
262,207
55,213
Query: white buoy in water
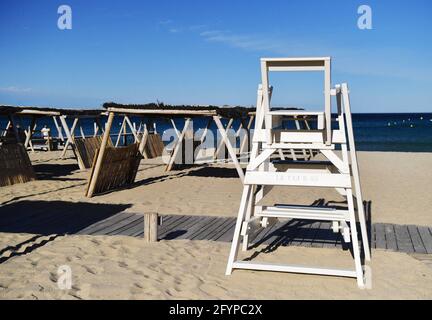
x,y
411,126
389,124
421,118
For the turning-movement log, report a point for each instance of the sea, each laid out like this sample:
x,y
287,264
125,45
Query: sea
x,y
406,132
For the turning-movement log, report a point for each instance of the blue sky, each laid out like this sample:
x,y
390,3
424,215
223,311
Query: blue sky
x,y
207,52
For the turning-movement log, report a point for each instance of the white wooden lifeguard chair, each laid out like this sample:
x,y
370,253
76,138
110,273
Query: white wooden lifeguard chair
x,y
339,172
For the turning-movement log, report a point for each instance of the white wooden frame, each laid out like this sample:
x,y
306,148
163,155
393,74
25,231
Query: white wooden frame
x,y
261,172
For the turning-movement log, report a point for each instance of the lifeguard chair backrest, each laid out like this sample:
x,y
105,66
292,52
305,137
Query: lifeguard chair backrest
x,y
299,64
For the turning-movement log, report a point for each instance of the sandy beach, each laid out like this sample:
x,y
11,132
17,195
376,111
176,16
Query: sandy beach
x,y
396,184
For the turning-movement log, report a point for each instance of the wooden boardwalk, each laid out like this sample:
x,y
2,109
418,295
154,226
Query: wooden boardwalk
x,y
402,238
56,218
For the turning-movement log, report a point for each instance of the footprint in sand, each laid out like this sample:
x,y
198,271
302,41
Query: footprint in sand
x,y
93,270
53,277
139,273
138,285
213,290
95,241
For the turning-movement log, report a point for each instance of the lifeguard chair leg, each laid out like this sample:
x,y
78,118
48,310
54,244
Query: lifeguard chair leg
x,y
240,218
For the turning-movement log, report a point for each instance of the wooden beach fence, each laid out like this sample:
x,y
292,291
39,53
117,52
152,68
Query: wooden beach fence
x,y
113,167
86,149
15,164
117,169
154,146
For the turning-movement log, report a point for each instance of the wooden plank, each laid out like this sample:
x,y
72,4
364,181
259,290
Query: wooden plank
x,y
390,237
373,236
166,228
226,235
114,228
122,226
97,227
273,234
168,221
301,228
179,229
132,228
220,230
329,240
265,234
317,241
205,234
426,236
416,239
194,226
403,239
309,234
380,236
202,227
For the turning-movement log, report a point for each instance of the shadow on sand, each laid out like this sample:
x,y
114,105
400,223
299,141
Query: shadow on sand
x,y
48,171
309,233
48,220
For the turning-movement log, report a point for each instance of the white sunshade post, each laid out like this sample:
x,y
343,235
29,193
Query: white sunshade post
x,y
69,132
70,140
7,128
133,129
221,143
82,131
230,148
207,127
99,125
29,133
143,142
120,131
178,145
175,127
95,129
245,142
59,129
